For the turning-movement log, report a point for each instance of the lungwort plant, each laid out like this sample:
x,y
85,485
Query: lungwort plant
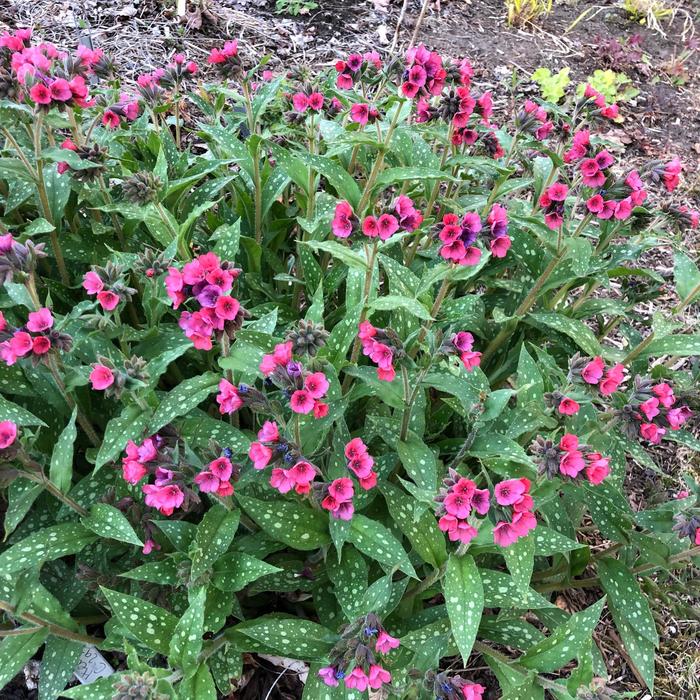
x,y
321,368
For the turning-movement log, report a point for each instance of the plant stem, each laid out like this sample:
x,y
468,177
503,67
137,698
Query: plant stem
x,y
257,194
688,299
56,630
634,354
37,476
442,293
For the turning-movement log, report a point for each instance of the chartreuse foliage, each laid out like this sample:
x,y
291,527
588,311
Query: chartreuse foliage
x,y
323,371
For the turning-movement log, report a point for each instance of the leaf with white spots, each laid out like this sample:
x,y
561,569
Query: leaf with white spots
x,y
530,382
284,635
520,560
214,535
420,529
234,571
149,623
565,642
130,424
58,662
101,689
641,650
226,665
513,633
164,571
290,522
61,470
109,522
419,462
578,331
349,578
200,685
180,533
17,414
625,596
47,544
490,445
500,591
187,395
464,600
377,542
548,542
186,642
16,651
199,429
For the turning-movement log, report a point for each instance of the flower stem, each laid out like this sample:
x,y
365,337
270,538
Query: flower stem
x,y
442,293
37,476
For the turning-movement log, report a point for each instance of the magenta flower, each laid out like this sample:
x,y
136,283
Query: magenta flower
x,y
343,220
568,407
359,113
593,372
510,491
108,300
385,642
317,385
259,454
207,482
8,433
165,498
357,680
40,320
40,94
597,469
652,432
301,401
378,676
228,398
101,377
221,468
327,675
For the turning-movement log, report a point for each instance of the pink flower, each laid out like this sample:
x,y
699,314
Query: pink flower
x,y
568,407
359,113
133,471
8,433
227,308
207,482
569,442
40,320
327,675
458,505
40,345
316,384
504,534
164,498
572,463
650,408
557,192
473,691
357,680
524,522
677,416
101,377
108,300
470,360
593,371
378,676
598,468
343,220
320,409
387,226
301,401
300,102
671,174
652,432
499,246
510,491
381,355
221,467
281,481
92,283
60,90
269,432
665,394
481,501
385,642
148,546
228,398
259,454
40,94
21,343
110,119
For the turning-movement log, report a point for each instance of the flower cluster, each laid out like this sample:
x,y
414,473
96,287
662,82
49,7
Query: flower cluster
x,y
424,73
354,658
651,411
668,173
104,376
337,498
462,344
552,201
382,346
533,119
362,113
226,59
446,686
603,108
355,67
401,216
570,458
18,257
107,284
458,238
207,281
516,518
458,500
360,463
34,340
216,478
595,373
309,100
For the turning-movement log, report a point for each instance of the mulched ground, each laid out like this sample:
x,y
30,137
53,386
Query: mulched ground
x,y
663,120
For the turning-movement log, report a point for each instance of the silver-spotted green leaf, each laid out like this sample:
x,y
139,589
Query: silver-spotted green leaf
x,y
61,470
226,665
149,623
180,533
234,571
422,531
21,495
565,642
679,345
341,252
419,462
17,414
500,591
200,685
394,301
520,560
186,642
578,331
16,651
290,522
625,596
45,545
349,578
101,689
58,662
129,425
214,535
513,633
548,542
377,542
288,636
464,600
490,445
228,239
164,571
199,429
186,396
641,651
530,382
109,522
686,275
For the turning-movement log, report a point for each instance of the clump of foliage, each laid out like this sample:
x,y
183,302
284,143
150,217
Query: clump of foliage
x,y
315,367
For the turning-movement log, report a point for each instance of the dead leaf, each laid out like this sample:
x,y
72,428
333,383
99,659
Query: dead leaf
x,y
382,30
294,665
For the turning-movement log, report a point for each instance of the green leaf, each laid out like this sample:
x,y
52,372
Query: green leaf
x,y
236,570
45,545
228,239
377,542
186,396
200,685
530,382
565,642
624,594
578,331
343,253
394,301
16,651
290,522
464,600
520,560
101,689
678,345
109,522
57,665
419,462
17,414
490,445
640,649
422,531
214,535
149,623
61,470
186,642
686,276
164,571
349,578
199,429
337,176
129,425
